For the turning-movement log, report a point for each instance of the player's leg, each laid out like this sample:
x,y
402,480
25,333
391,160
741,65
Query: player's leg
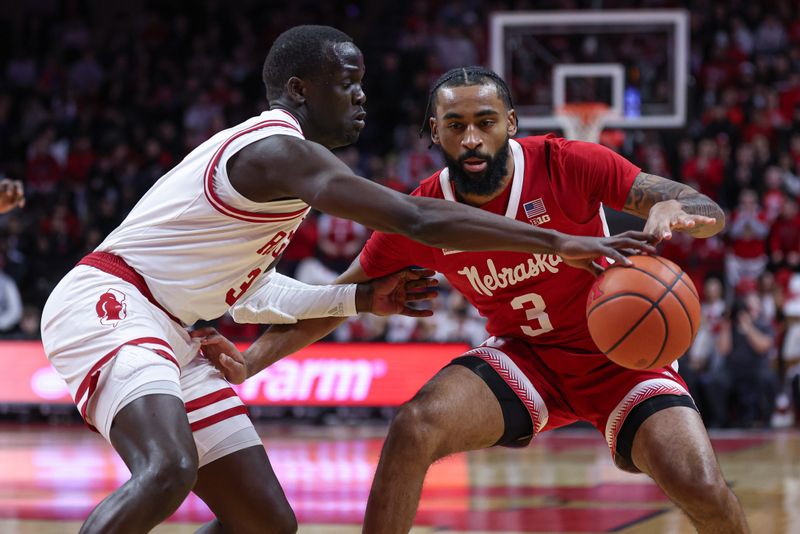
x,y
235,478
466,406
152,436
671,445
243,492
122,371
137,406
455,411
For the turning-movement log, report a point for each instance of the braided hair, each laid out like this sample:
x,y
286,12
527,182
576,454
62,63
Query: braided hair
x,y
465,76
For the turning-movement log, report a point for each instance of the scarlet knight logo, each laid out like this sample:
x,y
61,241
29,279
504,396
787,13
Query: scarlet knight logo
x,y
111,307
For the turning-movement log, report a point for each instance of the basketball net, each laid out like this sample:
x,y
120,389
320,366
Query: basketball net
x,y
583,121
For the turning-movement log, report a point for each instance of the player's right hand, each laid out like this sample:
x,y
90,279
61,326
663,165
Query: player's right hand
x,y
393,293
12,195
222,353
582,251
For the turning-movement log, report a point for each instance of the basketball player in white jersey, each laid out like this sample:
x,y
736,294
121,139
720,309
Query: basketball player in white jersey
x,y
203,241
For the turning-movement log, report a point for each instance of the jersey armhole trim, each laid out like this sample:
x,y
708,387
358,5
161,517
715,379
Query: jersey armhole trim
x,y
230,211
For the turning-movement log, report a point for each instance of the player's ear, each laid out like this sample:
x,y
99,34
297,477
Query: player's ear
x,y
296,90
512,123
434,131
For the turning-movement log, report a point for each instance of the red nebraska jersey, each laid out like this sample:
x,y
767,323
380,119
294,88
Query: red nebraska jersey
x,y
557,184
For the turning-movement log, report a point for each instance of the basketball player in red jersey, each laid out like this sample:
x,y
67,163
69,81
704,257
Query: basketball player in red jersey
x,y
197,245
540,369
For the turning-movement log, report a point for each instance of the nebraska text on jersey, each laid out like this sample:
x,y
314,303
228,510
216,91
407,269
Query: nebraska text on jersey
x,y
508,276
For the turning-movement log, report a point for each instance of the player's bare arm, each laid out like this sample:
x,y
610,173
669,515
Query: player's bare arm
x,y
388,295
324,182
668,205
12,195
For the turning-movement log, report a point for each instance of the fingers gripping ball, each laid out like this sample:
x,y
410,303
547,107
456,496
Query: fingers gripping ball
x,y
644,316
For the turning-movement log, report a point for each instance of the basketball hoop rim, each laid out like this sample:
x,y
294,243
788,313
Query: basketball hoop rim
x,y
583,121
586,112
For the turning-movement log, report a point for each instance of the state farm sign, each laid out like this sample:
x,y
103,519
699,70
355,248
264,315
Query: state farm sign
x,y
325,374
314,379
348,374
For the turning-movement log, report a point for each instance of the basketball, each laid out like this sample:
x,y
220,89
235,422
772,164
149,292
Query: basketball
x,y
644,316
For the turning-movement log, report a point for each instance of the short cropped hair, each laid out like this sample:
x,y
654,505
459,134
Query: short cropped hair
x,y
301,51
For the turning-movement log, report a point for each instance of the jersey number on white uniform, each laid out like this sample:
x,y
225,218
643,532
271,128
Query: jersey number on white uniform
x,y
233,295
534,306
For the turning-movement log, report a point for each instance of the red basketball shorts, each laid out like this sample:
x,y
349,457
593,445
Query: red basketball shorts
x,y
602,396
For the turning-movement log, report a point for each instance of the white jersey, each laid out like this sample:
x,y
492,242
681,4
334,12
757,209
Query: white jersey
x,y
197,242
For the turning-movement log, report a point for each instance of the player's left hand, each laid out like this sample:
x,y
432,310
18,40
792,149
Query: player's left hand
x,y
12,195
667,216
222,353
583,251
391,294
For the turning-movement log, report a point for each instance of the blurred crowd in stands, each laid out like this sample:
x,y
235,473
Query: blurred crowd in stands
x,y
98,100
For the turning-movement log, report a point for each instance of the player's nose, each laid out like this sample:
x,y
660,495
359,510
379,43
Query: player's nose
x,y
359,96
472,138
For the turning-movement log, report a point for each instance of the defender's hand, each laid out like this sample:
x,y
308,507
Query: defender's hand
x,y
222,353
12,195
582,251
668,215
391,294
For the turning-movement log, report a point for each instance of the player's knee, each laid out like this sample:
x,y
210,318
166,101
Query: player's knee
x,y
704,492
416,430
712,495
170,477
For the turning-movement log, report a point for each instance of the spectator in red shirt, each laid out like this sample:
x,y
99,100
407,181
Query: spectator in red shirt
x,y
80,160
700,367
705,171
42,172
340,240
773,196
748,230
759,125
784,236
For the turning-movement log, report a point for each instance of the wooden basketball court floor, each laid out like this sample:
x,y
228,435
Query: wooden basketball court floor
x,y
51,476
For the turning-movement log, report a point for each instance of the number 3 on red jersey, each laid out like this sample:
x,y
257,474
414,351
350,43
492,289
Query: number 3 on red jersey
x,y
534,306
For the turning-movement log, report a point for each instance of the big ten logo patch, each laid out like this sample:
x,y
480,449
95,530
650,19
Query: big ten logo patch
x,y
276,245
111,307
536,221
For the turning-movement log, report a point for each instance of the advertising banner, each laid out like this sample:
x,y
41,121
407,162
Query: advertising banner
x,y
324,374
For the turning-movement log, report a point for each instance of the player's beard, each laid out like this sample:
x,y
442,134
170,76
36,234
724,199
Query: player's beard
x,y
485,183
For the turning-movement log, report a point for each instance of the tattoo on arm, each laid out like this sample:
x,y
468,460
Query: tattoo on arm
x,y
649,189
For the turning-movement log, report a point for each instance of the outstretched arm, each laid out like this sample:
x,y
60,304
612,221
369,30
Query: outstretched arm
x,y
287,167
668,205
390,294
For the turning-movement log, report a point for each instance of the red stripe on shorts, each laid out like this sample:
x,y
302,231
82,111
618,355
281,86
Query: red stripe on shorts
x,y
168,356
217,417
211,398
89,382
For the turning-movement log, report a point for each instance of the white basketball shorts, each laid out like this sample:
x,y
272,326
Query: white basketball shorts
x,y
113,345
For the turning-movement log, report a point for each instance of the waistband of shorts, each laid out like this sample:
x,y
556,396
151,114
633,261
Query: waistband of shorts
x,y
116,266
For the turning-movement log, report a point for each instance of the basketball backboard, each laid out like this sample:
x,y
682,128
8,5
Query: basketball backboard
x,y
634,61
